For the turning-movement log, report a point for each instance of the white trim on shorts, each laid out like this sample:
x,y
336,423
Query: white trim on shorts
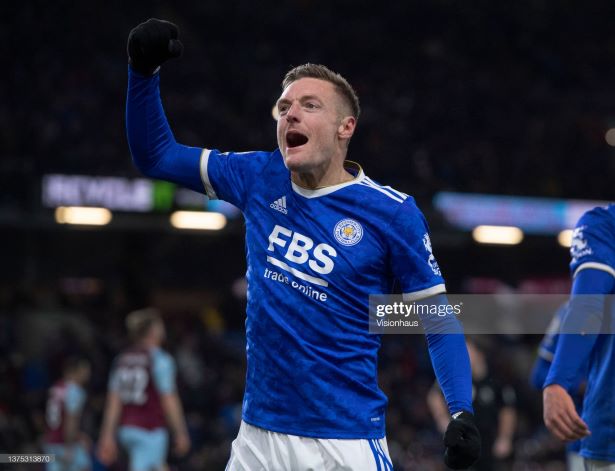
x,y
257,449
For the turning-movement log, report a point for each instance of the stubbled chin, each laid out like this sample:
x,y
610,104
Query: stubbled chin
x,y
294,158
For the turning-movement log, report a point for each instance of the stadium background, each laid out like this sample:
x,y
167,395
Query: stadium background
x,y
501,98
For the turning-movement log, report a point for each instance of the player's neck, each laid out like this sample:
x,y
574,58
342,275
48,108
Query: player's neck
x,y
320,178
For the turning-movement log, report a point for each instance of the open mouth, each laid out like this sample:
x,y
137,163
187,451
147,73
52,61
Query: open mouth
x,y
295,139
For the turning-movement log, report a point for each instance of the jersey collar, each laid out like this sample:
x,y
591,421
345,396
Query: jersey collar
x,y
349,165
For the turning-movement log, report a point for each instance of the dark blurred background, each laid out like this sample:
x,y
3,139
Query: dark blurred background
x,y
498,98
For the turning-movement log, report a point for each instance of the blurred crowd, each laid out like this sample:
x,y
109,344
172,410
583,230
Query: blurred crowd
x,y
484,97
49,325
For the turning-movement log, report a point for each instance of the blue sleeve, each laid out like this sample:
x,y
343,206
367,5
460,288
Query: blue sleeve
x,y
74,399
163,372
449,357
411,256
539,372
593,241
152,145
230,176
573,350
451,364
546,350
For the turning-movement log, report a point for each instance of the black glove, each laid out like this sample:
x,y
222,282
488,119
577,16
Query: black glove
x,y
462,442
152,43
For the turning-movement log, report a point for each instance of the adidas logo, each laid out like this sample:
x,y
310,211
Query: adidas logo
x,y
280,205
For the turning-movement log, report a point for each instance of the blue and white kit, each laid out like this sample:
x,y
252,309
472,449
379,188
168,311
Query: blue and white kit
x,y
313,259
593,271
542,364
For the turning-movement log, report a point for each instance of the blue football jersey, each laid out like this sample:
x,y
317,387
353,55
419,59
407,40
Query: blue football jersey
x,y
313,259
593,246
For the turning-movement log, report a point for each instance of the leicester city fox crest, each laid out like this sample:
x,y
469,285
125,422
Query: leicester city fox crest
x,y
348,232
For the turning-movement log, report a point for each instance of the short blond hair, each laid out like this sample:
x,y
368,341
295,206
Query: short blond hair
x,y
139,323
321,72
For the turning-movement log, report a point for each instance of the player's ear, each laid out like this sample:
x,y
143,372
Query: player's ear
x,y
346,128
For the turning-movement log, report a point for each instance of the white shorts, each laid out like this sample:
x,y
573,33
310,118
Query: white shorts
x,y
256,449
597,465
574,461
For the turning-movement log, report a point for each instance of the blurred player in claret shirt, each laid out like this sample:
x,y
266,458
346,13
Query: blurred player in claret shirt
x,y
142,399
63,437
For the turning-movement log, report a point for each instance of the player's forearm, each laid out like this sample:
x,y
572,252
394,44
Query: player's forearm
x,y
113,411
148,131
152,144
539,373
174,413
572,352
449,357
451,363
586,310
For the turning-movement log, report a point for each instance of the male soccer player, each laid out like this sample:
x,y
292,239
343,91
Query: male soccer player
x,y
142,399
63,437
540,370
591,315
320,237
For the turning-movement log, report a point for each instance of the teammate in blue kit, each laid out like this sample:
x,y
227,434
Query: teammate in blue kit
x,y
540,370
320,237
591,315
